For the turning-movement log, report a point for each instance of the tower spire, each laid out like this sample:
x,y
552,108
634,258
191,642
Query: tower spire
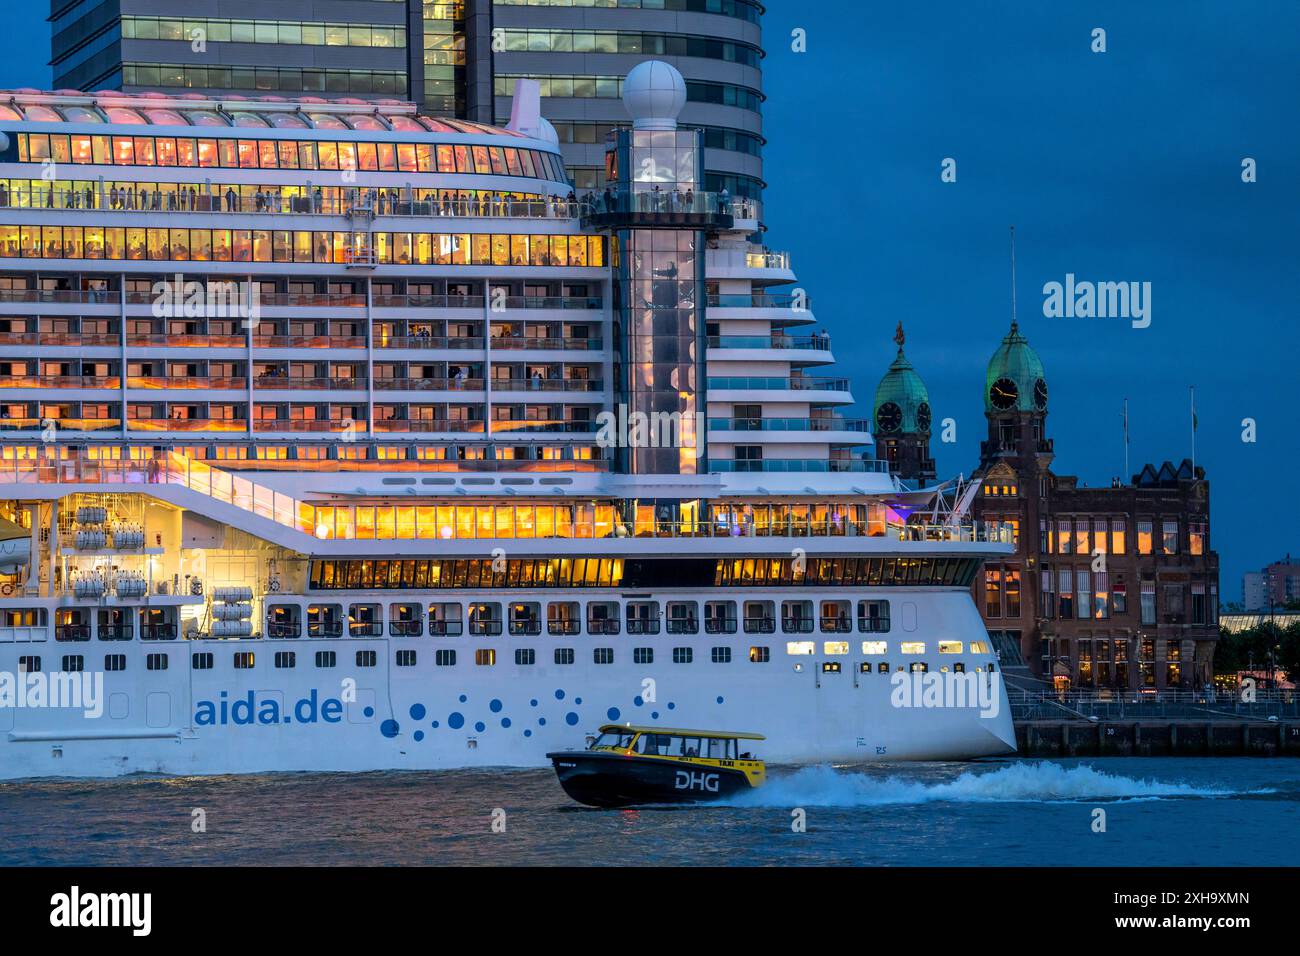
x,y
1014,326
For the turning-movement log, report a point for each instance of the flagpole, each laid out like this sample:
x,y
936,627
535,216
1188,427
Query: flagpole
x,y
1192,391
1126,471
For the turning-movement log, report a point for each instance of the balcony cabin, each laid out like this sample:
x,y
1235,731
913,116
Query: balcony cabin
x,y
643,617
325,620
446,620
563,618
683,617
760,617
158,623
485,619
836,617
525,618
719,617
797,617
405,620
283,621
603,618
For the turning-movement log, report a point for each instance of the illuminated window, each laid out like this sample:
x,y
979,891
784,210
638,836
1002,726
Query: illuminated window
x,y
835,648
801,647
485,656
912,647
874,647
950,647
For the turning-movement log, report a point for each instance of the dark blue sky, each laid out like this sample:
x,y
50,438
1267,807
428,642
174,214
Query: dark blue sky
x,y
1118,166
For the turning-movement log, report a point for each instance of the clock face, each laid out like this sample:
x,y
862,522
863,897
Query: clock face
x,y
923,416
1040,394
889,417
1004,393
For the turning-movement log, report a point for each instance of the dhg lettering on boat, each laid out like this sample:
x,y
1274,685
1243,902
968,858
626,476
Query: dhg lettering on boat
x,y
947,689
1098,300
74,908
250,709
82,690
687,780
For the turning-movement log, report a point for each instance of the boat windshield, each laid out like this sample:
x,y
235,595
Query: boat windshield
x,y
619,740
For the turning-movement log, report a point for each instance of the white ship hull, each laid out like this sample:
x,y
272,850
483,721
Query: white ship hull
x,y
223,720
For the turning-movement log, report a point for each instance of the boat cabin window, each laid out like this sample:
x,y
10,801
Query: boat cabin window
x,y
719,748
621,739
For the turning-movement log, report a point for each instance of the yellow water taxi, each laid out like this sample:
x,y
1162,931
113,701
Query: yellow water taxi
x,y
629,765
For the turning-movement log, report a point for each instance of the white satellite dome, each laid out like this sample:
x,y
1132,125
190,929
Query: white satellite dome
x,y
654,94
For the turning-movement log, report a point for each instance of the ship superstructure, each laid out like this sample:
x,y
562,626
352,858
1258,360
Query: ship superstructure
x,y
337,437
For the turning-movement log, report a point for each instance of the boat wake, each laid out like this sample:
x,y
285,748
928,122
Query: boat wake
x,y
824,786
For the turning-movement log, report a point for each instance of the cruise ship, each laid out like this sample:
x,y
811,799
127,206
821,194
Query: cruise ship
x,y
335,437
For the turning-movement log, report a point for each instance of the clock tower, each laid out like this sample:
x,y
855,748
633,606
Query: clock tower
x,y
901,420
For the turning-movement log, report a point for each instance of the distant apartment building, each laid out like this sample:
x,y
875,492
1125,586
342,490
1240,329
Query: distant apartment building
x,y
1272,587
459,59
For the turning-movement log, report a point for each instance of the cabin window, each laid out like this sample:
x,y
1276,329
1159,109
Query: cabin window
x,y
603,655
950,647
155,662
831,667
444,658
244,661
201,662
979,647
835,648
912,647
406,658
921,666
564,655
29,665
367,658
883,667
959,668
485,657
683,655
643,655
285,660
874,647
73,663
112,662
760,655
801,647
525,656
721,655
873,617
325,659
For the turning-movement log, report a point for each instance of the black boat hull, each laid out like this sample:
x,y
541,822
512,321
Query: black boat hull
x,y
616,780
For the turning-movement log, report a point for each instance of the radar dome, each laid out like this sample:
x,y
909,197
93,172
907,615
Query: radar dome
x,y
654,94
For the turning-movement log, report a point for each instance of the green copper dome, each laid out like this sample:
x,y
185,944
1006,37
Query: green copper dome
x,y
902,402
1014,381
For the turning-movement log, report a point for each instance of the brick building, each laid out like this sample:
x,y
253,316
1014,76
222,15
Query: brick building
x,y
1111,586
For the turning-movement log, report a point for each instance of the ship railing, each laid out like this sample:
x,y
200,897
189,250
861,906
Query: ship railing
x,y
1146,702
